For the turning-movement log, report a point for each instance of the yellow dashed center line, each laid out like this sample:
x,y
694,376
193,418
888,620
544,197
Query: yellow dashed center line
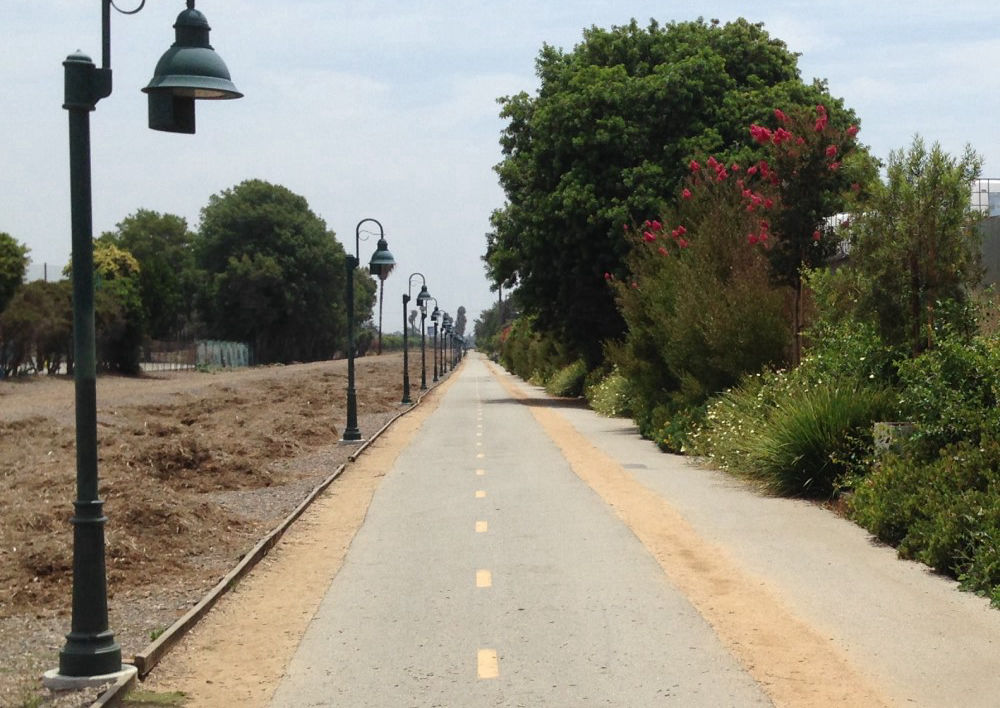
x,y
480,472
481,494
484,579
481,527
480,455
487,664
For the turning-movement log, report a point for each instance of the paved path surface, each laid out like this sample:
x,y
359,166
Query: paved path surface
x,y
489,571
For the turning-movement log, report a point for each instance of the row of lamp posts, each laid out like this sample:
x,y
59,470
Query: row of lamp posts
x,y
381,264
189,70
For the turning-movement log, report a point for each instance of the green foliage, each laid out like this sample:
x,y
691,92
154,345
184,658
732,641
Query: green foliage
x,y
611,396
916,246
532,355
802,447
13,266
168,281
118,311
951,391
37,328
675,431
607,139
568,381
944,512
275,274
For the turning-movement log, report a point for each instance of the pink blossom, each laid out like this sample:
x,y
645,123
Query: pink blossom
x,y
686,194
820,124
768,203
816,235
852,131
682,243
713,163
735,167
663,251
834,166
656,226
779,114
831,151
752,239
607,276
647,237
781,135
721,176
694,166
821,110
760,133
752,170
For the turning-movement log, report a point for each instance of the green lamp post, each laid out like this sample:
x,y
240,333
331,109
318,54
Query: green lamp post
x,y
444,342
434,350
422,297
189,70
380,265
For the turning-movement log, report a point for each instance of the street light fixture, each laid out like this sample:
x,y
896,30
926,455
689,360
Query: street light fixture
x,y
434,318
444,342
189,70
422,297
380,265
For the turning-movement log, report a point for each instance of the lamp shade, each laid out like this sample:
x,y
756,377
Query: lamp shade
x,y
422,297
382,261
191,68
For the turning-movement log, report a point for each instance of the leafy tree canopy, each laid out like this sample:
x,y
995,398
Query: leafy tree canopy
x,y
276,273
607,140
13,266
162,246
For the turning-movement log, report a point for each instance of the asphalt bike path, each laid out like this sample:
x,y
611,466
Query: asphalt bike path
x,y
486,573
522,551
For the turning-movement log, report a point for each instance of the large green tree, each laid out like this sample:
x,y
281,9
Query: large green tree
x,y
13,266
162,244
607,140
275,274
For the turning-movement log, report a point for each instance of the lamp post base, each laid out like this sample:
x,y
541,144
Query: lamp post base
x,y
54,681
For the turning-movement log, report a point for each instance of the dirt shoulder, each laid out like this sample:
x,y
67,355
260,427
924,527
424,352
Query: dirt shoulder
x,y
195,468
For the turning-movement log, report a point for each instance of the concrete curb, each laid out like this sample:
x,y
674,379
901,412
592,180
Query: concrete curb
x,y
145,660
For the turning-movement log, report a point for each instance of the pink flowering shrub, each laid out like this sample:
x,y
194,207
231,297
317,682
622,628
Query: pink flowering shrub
x,y
700,307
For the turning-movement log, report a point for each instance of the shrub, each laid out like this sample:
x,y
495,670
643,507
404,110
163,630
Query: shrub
x,y
945,512
611,396
568,381
802,448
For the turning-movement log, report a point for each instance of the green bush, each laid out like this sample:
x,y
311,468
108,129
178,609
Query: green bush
x,y
674,432
802,448
951,391
568,381
611,396
945,512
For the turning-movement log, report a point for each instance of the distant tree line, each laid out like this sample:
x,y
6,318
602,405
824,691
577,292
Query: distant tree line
x,y
261,268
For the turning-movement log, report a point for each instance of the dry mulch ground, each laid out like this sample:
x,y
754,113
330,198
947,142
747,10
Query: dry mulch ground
x,y
195,468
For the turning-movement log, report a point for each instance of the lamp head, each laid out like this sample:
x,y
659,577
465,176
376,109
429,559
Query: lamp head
x,y
189,70
382,261
422,297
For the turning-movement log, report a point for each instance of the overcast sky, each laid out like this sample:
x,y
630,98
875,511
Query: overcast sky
x,y
387,109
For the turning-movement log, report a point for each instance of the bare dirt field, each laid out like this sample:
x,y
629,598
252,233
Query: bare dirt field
x,y
195,468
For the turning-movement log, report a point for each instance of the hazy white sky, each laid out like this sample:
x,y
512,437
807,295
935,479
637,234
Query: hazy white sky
x,y
387,109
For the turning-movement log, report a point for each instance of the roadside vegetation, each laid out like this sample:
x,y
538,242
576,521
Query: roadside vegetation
x,y
751,286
